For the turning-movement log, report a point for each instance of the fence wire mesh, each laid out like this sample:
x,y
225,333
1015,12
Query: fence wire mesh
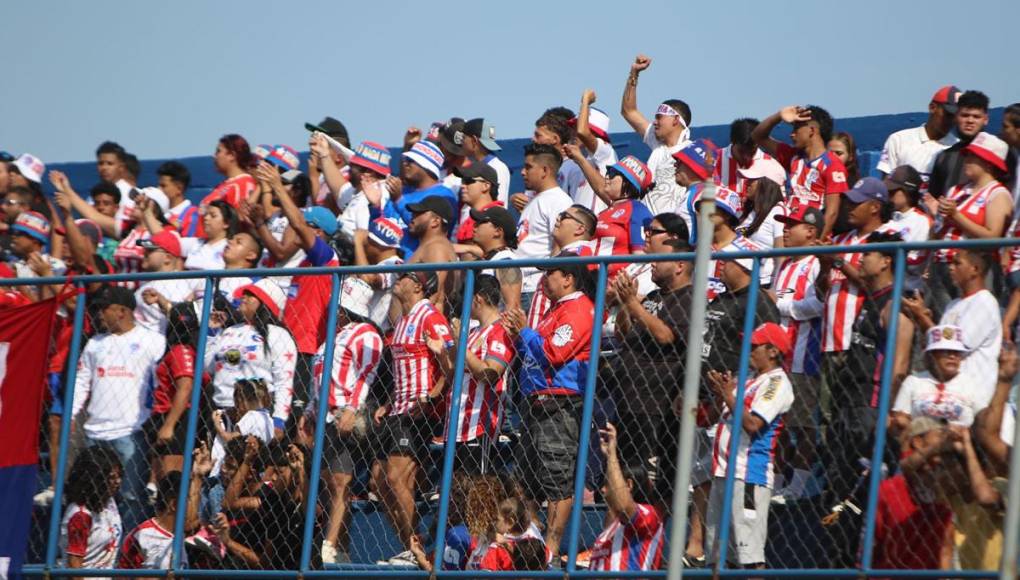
x,y
373,394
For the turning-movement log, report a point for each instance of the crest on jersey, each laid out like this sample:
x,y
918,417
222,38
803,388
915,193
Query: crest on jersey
x,y
619,213
563,335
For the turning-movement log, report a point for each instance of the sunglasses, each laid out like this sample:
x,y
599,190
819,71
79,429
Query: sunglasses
x,y
649,232
565,215
471,180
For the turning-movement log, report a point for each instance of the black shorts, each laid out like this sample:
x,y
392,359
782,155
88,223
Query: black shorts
x,y
406,436
175,446
342,453
547,455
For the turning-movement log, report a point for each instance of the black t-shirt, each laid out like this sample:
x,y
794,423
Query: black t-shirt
x,y
724,327
649,373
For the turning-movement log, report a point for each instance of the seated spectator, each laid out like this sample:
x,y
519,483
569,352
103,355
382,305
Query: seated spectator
x,y
380,245
234,160
768,395
148,546
939,392
909,220
633,537
592,130
512,525
90,530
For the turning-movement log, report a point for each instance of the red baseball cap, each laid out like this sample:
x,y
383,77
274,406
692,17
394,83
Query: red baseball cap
x,y
772,333
947,96
166,240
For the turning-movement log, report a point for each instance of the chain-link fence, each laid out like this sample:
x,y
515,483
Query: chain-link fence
x,y
841,423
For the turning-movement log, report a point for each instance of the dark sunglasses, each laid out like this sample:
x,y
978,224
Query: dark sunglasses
x,y
649,232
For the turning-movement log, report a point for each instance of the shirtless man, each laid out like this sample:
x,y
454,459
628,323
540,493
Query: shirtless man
x,y
430,224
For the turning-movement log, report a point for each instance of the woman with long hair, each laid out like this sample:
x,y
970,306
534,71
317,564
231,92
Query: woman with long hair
x,y
233,158
842,145
91,529
219,223
764,202
258,347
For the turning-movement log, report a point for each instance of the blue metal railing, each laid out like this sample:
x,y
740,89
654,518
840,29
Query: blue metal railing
x,y
50,567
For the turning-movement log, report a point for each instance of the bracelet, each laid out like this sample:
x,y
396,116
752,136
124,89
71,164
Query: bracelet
x,y
632,79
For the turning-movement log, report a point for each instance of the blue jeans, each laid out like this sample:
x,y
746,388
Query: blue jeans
x,y
133,501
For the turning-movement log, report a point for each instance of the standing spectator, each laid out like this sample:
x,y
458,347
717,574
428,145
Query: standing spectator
x,y
692,166
592,128
843,146
148,546
234,160
90,530
430,226
574,230
669,133
995,425
1010,133
162,254
110,157
971,120
725,221
763,205
554,361
246,417
408,419
480,147
380,245
105,200
554,128
800,310
976,312
15,201
115,377
659,235
539,217
478,191
909,220
30,235
259,347
129,255
918,147
370,166
939,392
184,216
219,223
420,169
768,395
325,165
634,535
356,356
496,236
740,155
817,177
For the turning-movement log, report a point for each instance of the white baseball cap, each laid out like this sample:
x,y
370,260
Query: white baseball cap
x,y
156,194
766,167
356,295
945,337
30,167
268,292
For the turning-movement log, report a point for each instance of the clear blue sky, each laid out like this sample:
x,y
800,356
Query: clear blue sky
x,y
167,79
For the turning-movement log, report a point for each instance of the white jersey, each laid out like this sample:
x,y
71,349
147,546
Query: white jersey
x,y
382,297
202,255
800,311
93,537
534,230
913,147
358,213
666,195
765,236
956,401
912,225
603,157
22,270
148,547
503,176
239,353
116,376
150,315
979,318
257,423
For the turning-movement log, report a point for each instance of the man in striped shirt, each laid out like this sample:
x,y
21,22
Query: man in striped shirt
x,y
420,376
741,153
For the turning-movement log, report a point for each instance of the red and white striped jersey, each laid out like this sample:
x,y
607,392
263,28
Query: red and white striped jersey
x,y
973,204
148,547
356,356
128,256
844,300
94,537
727,172
415,370
481,404
800,312
632,545
810,180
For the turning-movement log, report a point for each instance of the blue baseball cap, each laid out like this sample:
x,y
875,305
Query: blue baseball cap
x,y
868,189
321,218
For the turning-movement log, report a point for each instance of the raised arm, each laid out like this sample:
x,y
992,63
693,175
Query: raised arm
x,y
306,234
628,107
618,495
84,209
584,134
762,134
591,173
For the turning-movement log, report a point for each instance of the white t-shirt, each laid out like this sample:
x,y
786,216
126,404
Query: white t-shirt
x,y
979,318
956,401
603,157
503,175
257,423
277,225
912,225
358,213
913,147
666,195
504,254
116,375
765,236
202,255
382,297
1007,431
534,230
570,177
149,315
22,270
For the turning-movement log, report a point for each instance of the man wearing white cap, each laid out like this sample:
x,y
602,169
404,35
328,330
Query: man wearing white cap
x,y
939,392
593,133
356,356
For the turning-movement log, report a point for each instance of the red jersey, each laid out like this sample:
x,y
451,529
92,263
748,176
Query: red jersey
x,y
147,546
540,303
480,404
620,230
178,362
466,231
908,534
415,371
307,297
232,190
973,204
844,300
356,358
800,310
727,172
633,545
811,179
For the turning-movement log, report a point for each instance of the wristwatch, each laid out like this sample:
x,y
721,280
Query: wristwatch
x,y
838,263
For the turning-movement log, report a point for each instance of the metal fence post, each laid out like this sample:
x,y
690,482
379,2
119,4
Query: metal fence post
x,y
320,424
738,416
453,417
189,439
57,479
586,418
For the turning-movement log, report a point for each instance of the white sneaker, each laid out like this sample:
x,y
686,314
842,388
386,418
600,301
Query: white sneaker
x,y
405,558
44,497
328,552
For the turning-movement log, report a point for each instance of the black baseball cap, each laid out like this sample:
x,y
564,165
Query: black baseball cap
x,y
331,127
451,136
501,218
429,280
434,204
580,272
904,177
116,295
479,170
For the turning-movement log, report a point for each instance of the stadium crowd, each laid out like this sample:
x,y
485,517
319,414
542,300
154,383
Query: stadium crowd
x,y
821,329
